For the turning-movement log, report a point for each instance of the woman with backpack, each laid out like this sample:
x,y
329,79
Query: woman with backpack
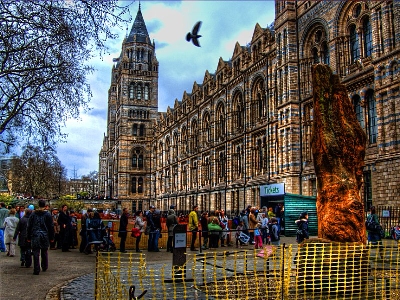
x,y
373,227
374,230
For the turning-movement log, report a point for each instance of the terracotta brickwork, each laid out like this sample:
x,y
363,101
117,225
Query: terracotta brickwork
x,y
249,122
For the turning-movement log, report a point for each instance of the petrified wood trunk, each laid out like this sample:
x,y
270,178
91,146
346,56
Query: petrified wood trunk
x,y
338,146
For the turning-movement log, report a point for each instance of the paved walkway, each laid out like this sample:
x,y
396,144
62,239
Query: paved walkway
x,y
70,275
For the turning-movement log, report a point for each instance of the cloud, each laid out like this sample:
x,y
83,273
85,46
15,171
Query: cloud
x,y
181,63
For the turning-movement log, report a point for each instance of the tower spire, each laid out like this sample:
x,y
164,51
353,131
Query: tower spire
x,y
139,31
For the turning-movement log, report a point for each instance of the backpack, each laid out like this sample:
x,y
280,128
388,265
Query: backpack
x,y
236,221
370,224
271,232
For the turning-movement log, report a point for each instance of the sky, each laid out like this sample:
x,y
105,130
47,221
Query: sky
x,y
180,63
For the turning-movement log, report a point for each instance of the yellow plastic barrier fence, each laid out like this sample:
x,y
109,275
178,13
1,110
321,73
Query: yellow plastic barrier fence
x,y
307,271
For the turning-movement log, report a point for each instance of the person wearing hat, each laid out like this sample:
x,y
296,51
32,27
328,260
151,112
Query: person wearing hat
x,y
194,226
172,207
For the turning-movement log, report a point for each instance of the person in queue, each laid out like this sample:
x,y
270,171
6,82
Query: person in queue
x,y
194,226
172,221
139,224
40,233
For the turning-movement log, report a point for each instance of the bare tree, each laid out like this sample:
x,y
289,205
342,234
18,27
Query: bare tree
x,y
37,173
44,47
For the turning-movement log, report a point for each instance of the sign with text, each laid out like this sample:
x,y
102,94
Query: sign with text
x,y
276,189
180,240
179,247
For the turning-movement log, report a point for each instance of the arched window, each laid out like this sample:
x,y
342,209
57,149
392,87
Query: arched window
x,y
138,54
137,158
207,128
134,129
354,44
131,91
367,37
184,140
134,160
194,136
140,161
220,122
139,91
238,111
167,149
140,185
258,105
315,55
325,53
146,92
372,117
358,109
141,130
133,185
239,161
221,165
260,155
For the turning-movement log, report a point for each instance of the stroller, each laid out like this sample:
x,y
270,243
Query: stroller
x,y
107,245
395,233
97,236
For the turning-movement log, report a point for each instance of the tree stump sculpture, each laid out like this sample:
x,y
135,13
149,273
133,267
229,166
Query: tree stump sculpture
x,y
338,146
326,266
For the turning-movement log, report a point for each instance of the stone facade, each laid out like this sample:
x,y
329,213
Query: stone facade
x,y
249,123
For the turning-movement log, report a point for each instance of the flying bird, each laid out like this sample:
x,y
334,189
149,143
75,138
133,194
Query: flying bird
x,y
194,34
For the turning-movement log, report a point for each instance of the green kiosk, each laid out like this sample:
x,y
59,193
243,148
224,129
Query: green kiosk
x,y
274,194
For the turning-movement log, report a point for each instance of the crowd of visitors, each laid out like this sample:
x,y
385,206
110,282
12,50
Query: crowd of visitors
x,y
37,230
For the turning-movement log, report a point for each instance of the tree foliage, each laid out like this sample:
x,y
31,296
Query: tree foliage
x,y
72,203
44,47
37,173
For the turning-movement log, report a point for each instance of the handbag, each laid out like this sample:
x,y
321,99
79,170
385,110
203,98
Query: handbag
x,y
135,232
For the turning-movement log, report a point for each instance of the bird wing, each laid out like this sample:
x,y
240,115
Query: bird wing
x,y
195,42
196,28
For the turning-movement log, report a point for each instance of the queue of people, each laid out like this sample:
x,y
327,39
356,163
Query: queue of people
x,y
214,228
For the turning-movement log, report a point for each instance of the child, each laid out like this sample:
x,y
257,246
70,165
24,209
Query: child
x,y
239,229
257,237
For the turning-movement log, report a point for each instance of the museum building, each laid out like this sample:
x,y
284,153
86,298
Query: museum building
x,y
244,133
